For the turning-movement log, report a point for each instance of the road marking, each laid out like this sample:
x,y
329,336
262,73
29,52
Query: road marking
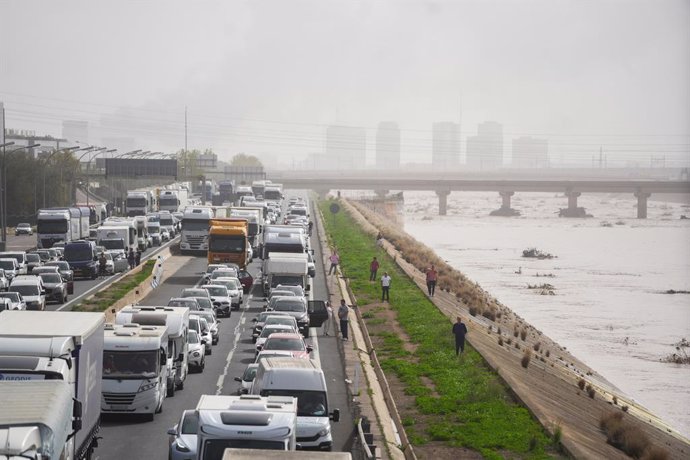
x,y
228,359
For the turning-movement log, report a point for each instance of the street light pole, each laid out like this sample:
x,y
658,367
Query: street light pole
x,y
3,172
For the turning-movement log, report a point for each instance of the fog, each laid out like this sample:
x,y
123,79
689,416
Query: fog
x,y
267,77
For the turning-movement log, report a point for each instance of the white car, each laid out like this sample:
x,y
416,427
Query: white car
x,y
200,325
273,354
16,300
4,282
183,437
235,290
212,322
247,379
267,331
196,356
32,290
220,296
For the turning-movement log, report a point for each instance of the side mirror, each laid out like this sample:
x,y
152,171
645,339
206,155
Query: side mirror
x,y
237,379
76,416
172,431
335,415
310,348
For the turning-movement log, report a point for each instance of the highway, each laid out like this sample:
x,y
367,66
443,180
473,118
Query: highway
x,y
132,437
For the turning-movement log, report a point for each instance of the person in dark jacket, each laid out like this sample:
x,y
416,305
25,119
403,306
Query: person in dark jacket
x,y
137,258
131,258
459,331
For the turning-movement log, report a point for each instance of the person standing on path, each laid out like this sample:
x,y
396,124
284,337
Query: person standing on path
x,y
385,287
329,318
137,258
342,316
431,277
373,268
131,258
335,260
459,331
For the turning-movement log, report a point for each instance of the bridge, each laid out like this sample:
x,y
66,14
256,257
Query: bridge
x,y
506,188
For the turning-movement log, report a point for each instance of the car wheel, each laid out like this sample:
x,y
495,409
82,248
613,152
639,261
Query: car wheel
x,y
209,351
180,386
202,365
171,389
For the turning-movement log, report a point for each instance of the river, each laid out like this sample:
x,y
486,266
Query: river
x,y
610,277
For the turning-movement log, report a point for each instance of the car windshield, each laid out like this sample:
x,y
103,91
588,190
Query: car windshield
x,y
33,258
60,265
223,243
309,403
220,291
194,225
113,243
223,274
27,289
211,268
23,226
51,278
208,316
249,373
190,423
192,337
13,296
204,302
282,320
284,343
194,293
289,305
52,226
153,229
194,323
7,264
185,303
78,253
130,364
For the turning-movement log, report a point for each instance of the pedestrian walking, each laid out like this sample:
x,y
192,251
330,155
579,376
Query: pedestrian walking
x,y
373,268
385,287
137,258
311,226
342,316
335,260
431,277
329,319
379,240
459,331
131,258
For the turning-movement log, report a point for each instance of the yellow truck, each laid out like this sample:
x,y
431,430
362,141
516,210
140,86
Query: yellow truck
x,y
228,241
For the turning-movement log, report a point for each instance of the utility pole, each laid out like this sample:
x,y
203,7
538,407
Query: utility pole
x,y
185,129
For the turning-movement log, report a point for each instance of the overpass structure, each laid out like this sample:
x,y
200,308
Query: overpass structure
x,y
506,188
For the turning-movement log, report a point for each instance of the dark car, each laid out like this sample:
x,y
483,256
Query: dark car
x,y
246,279
55,287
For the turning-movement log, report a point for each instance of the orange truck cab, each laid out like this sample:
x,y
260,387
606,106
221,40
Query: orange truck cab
x,y
227,241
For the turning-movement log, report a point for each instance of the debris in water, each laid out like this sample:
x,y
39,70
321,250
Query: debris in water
x,y
535,253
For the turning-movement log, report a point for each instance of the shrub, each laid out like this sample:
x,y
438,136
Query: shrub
x,y
590,391
500,341
517,345
624,408
509,340
537,346
489,314
655,453
581,384
523,334
473,311
615,400
516,333
526,358
499,331
548,353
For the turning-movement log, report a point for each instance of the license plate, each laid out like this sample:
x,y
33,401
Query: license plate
x,y
119,407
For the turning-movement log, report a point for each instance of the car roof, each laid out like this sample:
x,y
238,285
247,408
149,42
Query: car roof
x,y
286,335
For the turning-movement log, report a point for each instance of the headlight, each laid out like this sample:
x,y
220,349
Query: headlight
x,y
147,386
180,446
196,354
325,432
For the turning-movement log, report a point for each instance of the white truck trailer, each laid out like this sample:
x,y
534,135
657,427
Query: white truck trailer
x,y
135,373
285,268
58,224
246,421
57,347
176,319
38,420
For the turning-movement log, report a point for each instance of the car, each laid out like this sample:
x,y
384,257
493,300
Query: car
x,y
234,288
220,296
44,254
268,331
165,235
16,299
210,269
296,306
4,282
285,320
120,262
66,273
31,289
247,378
33,260
205,304
183,437
278,293
224,272
260,320
55,287
186,302
273,354
196,357
212,322
5,304
298,290
204,331
288,341
23,229
195,292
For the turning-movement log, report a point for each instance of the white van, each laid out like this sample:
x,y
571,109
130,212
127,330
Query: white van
x,y
10,266
303,379
20,257
31,289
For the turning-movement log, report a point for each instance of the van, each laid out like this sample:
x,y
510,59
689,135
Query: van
x,y
31,289
303,379
20,257
10,266
82,258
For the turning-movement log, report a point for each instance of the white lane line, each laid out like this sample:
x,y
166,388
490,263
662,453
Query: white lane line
x,y
228,359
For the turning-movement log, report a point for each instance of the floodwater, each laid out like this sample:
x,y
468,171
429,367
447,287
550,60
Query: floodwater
x,y
611,273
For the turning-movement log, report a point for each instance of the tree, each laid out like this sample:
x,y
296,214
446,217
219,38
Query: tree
x,y
242,159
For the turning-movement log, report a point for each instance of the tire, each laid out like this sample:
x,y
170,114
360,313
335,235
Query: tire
x,y
171,390
209,351
180,386
150,417
202,365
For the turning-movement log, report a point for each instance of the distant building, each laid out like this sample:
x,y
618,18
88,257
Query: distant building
x,y
45,145
76,130
445,148
346,147
485,150
529,152
388,145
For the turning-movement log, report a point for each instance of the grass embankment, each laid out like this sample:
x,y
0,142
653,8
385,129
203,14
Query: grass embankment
x,y
458,401
116,291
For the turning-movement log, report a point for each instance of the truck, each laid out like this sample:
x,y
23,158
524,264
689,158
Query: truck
x,y
255,220
278,238
169,200
139,202
82,258
226,190
228,240
141,224
167,222
246,421
59,348
57,224
176,319
250,454
258,188
135,376
273,192
115,238
287,269
304,380
38,420
195,229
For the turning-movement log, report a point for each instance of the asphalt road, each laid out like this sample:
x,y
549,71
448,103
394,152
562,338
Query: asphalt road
x,y
134,438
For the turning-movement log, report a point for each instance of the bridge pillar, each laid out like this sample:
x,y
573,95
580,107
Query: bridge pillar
x,y
505,209
505,197
642,204
442,202
573,210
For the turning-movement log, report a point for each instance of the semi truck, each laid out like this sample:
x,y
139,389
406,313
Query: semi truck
x,y
58,224
228,240
115,238
246,421
226,190
287,269
195,229
139,202
141,224
254,218
135,376
172,200
176,319
59,348
273,192
38,420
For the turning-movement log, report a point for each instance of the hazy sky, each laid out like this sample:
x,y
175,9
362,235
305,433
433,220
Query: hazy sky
x,y
266,77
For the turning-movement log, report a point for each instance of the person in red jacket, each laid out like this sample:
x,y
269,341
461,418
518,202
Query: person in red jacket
x,y
431,277
373,268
